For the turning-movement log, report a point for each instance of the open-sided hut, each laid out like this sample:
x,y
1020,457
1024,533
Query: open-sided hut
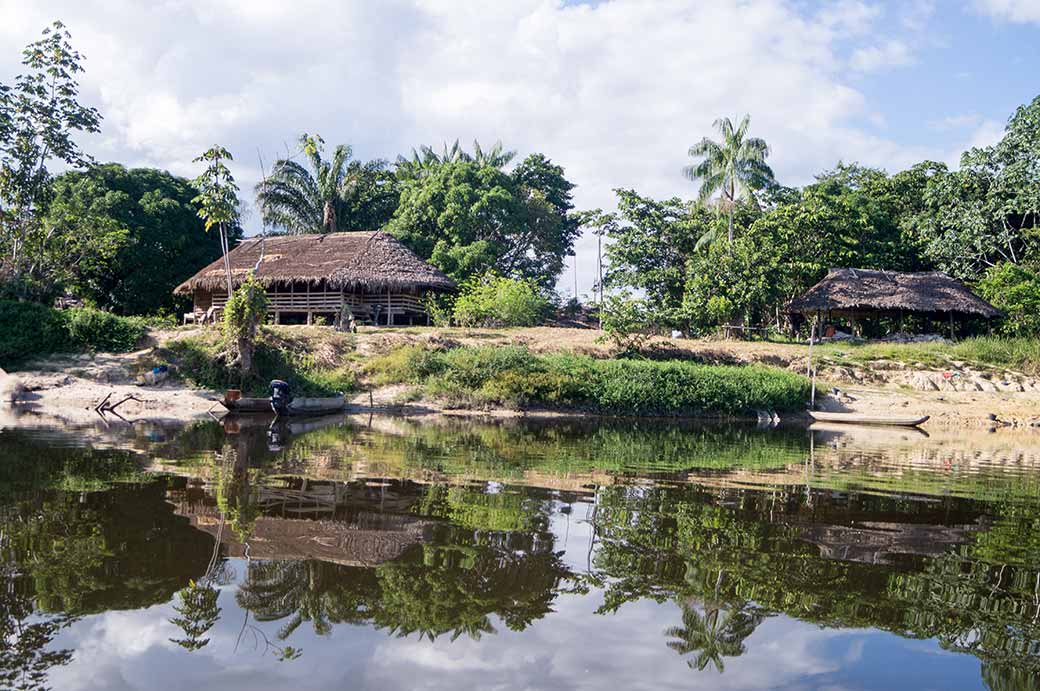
x,y
306,276
856,294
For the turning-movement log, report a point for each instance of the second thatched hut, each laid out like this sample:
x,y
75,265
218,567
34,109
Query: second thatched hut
x,y
860,294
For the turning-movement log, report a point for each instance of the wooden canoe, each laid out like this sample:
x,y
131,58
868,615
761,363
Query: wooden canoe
x,y
315,406
863,419
248,405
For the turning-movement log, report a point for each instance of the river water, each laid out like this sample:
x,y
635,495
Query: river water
x,y
389,553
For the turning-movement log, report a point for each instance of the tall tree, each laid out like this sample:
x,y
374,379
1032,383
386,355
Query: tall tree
x,y
218,200
39,117
736,166
151,225
327,195
468,218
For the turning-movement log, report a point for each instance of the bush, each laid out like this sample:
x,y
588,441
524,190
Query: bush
x,y
625,322
516,377
1015,290
30,329
203,361
34,330
94,330
498,301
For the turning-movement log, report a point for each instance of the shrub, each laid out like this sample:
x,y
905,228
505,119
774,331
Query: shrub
x,y
625,322
30,329
1015,290
498,301
91,329
34,330
516,377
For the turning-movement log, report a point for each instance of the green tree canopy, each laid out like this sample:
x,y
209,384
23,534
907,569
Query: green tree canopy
x,y
145,219
468,218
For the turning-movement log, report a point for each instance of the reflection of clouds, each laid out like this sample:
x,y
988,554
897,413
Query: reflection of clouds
x,y
570,648
575,648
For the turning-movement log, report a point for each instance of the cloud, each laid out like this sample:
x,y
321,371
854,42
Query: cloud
x,y
892,53
613,91
1019,11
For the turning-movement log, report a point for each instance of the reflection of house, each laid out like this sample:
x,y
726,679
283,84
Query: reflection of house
x,y
378,278
879,542
309,520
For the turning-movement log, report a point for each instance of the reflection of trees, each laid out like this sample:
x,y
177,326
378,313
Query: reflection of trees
x,y
314,591
198,612
25,635
713,633
982,597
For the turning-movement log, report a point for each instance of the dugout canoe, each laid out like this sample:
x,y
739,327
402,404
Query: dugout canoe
x,y
864,419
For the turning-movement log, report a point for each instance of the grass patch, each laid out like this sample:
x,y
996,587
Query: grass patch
x,y
1021,354
514,377
311,370
31,330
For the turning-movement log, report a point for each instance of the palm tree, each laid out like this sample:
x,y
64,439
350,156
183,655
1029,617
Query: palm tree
x,y
425,159
318,197
715,634
736,167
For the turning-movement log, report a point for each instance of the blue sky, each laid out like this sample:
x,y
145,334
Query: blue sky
x,y
615,91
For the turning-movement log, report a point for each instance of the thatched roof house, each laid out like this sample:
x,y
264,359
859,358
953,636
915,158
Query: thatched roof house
x,y
863,292
380,279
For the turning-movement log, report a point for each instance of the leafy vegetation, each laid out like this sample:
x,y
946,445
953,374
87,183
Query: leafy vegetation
x,y
513,376
327,196
468,216
33,330
311,371
499,301
1021,354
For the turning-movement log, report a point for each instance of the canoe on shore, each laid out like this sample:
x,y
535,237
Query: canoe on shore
x,y
864,419
313,406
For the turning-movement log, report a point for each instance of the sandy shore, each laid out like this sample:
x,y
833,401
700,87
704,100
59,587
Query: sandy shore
x,y
70,388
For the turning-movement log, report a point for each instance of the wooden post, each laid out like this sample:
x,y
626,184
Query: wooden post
x,y
388,315
952,335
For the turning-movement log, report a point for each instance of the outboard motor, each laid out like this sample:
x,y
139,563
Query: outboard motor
x,y
280,397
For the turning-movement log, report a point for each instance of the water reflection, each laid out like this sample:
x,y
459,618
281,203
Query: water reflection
x,y
696,554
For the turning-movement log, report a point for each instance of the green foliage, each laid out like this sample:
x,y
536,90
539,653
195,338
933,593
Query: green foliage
x,y
246,310
198,612
39,115
125,238
33,330
1021,354
513,376
327,196
986,212
736,167
1015,290
493,300
91,329
204,362
626,321
467,216
730,282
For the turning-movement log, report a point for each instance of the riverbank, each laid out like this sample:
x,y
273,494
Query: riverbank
x,y
964,395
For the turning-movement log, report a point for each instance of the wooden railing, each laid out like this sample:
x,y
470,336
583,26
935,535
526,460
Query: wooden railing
x,y
363,306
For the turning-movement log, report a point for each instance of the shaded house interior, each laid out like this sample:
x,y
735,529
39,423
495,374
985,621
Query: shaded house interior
x,y
307,277
897,300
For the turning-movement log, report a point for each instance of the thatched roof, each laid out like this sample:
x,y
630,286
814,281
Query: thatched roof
x,y
372,260
863,290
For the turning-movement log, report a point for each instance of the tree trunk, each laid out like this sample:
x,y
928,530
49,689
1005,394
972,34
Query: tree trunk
x,y
227,262
328,220
245,355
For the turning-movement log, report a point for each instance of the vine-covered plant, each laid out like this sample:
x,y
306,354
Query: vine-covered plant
x,y
243,315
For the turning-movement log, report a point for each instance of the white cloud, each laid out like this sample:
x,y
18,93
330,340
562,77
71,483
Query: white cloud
x,y
894,53
615,91
1021,11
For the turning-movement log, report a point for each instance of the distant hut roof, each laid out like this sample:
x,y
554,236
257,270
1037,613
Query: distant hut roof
x,y
864,290
343,260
